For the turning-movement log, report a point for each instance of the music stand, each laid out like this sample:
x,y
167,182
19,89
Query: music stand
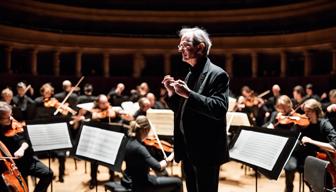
x,y
236,119
102,143
47,136
162,120
266,150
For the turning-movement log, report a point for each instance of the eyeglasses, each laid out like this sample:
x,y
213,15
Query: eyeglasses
x,y
184,45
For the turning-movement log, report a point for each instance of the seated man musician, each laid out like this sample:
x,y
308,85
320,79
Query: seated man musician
x,y
19,148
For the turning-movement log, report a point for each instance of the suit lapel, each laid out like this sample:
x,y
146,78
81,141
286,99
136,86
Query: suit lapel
x,y
202,78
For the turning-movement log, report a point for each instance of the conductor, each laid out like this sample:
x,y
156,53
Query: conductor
x,y
200,103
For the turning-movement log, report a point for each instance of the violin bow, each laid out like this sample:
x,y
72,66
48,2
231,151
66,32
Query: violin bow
x,y
27,88
157,138
67,97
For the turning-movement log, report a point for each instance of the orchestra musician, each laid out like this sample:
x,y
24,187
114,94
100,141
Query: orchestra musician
x,y
330,107
200,104
310,94
298,97
116,96
46,105
319,135
153,103
73,98
23,104
7,96
19,148
249,103
139,160
284,108
102,112
144,105
271,101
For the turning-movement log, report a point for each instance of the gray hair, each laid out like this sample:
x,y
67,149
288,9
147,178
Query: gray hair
x,y
199,36
5,108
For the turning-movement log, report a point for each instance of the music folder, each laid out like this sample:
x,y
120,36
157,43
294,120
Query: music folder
x,y
103,143
266,150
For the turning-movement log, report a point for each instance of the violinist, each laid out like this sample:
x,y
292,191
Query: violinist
x,y
271,101
139,160
45,108
19,148
318,135
283,115
102,112
23,104
73,98
249,103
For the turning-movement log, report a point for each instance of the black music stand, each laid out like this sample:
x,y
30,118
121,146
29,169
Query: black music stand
x,y
102,143
265,150
47,136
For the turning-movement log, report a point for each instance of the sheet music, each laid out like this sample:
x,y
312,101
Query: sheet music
x,y
86,106
232,103
99,144
258,149
163,120
130,107
53,136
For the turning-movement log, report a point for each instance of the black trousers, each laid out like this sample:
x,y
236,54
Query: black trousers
x,y
94,170
159,184
41,171
201,178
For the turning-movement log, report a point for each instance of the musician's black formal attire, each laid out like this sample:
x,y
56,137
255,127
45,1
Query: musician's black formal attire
x,y
23,108
28,164
200,139
72,100
47,114
321,131
138,161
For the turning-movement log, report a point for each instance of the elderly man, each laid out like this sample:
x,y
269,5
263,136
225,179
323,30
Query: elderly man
x,y
200,103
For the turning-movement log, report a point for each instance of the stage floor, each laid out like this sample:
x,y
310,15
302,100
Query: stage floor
x,y
232,178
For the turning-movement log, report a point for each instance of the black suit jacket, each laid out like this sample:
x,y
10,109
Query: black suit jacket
x,y
203,136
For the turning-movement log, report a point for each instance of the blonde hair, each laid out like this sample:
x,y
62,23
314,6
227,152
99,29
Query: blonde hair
x,y
284,100
47,86
315,106
7,91
140,123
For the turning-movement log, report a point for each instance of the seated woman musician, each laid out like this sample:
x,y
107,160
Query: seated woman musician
x,y
139,160
15,141
319,135
285,116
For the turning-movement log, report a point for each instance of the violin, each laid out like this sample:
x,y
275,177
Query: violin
x,y
16,127
104,113
11,176
53,102
152,142
254,100
295,118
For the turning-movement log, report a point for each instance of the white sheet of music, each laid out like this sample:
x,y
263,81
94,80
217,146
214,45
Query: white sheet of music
x,y
258,149
163,120
99,144
232,103
130,107
53,136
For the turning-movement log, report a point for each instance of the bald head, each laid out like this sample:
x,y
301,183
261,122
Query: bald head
x,y
151,98
66,85
276,90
